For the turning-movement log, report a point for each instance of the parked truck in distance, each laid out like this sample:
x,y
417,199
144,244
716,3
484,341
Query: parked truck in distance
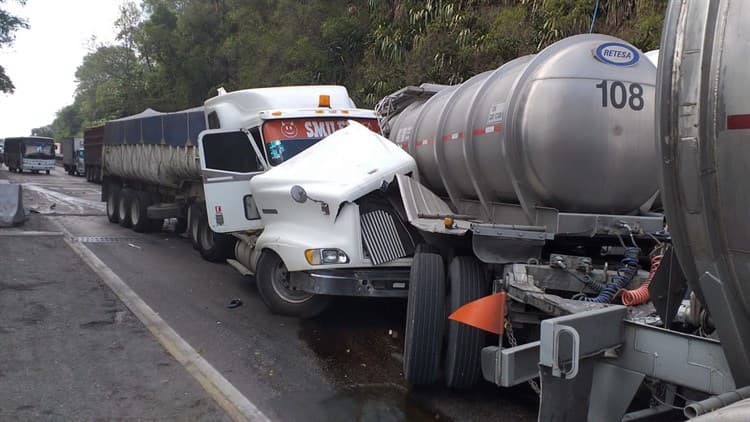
x,y
240,176
72,156
31,153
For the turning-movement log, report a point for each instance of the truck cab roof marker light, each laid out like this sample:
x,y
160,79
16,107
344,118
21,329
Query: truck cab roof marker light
x,y
324,101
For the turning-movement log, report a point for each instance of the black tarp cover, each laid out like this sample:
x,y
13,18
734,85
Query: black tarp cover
x,y
151,127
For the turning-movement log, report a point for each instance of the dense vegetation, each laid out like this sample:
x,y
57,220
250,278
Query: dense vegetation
x,y
9,24
173,54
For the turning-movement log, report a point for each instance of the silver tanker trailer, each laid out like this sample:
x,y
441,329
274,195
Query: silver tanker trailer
x,y
532,206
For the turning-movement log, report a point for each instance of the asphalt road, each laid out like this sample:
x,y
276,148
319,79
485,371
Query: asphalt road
x,y
344,365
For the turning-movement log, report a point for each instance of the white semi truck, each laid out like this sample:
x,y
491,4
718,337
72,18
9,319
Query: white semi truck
x,y
239,174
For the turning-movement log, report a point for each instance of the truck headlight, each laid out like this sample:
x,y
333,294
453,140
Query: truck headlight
x,y
326,256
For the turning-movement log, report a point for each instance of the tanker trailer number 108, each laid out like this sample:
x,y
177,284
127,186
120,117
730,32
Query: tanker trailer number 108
x,y
619,94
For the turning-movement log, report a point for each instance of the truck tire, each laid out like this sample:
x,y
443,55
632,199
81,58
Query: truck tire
x,y
181,225
46,171
272,279
113,199
123,207
196,211
139,201
214,247
463,360
425,319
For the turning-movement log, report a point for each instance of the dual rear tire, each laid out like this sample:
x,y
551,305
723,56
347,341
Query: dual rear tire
x,y
435,347
128,207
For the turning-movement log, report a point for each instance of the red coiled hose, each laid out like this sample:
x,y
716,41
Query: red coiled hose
x,y
640,295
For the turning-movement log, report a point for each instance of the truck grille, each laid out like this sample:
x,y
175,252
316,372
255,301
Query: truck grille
x,y
381,237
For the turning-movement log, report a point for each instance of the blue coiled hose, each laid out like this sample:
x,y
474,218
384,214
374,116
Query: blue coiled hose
x,y
628,269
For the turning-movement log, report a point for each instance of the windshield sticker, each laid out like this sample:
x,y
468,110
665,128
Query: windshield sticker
x,y
288,129
310,128
276,151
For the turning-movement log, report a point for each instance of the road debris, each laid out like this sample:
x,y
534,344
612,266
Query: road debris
x,y
234,303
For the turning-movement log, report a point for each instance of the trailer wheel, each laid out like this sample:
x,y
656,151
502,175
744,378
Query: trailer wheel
x,y
47,171
214,247
138,215
113,214
425,319
463,362
123,207
272,279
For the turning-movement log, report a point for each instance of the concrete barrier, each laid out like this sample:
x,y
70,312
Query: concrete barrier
x,y
11,204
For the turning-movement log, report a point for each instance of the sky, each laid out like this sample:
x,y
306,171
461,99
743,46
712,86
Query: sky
x,y
43,59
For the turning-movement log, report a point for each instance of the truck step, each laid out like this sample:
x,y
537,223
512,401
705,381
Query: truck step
x,y
239,267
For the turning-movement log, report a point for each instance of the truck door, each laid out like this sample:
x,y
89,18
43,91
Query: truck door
x,y
229,159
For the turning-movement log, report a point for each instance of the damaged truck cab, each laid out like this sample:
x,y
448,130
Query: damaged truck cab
x,y
310,223
278,182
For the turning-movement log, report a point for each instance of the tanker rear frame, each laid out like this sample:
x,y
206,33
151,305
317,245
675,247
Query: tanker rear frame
x,y
593,359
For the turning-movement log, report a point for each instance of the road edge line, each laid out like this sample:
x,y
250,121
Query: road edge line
x,y
226,395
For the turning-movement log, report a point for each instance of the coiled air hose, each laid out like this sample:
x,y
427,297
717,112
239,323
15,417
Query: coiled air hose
x,y
628,269
641,295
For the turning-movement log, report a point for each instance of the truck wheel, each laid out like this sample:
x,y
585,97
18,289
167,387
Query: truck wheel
x,y
425,319
195,217
113,198
123,207
138,216
47,171
214,247
272,279
181,225
463,361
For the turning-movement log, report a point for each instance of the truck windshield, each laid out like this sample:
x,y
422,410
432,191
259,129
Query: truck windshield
x,y
38,150
288,137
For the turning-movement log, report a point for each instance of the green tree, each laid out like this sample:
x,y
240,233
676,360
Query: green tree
x,y
45,131
9,24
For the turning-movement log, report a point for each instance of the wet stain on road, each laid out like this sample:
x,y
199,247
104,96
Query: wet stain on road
x,y
362,354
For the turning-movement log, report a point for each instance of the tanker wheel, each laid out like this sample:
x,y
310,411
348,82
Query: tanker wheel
x,y
138,213
425,319
463,361
272,279
113,199
214,247
123,207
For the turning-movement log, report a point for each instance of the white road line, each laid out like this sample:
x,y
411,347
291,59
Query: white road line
x,y
20,233
237,406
